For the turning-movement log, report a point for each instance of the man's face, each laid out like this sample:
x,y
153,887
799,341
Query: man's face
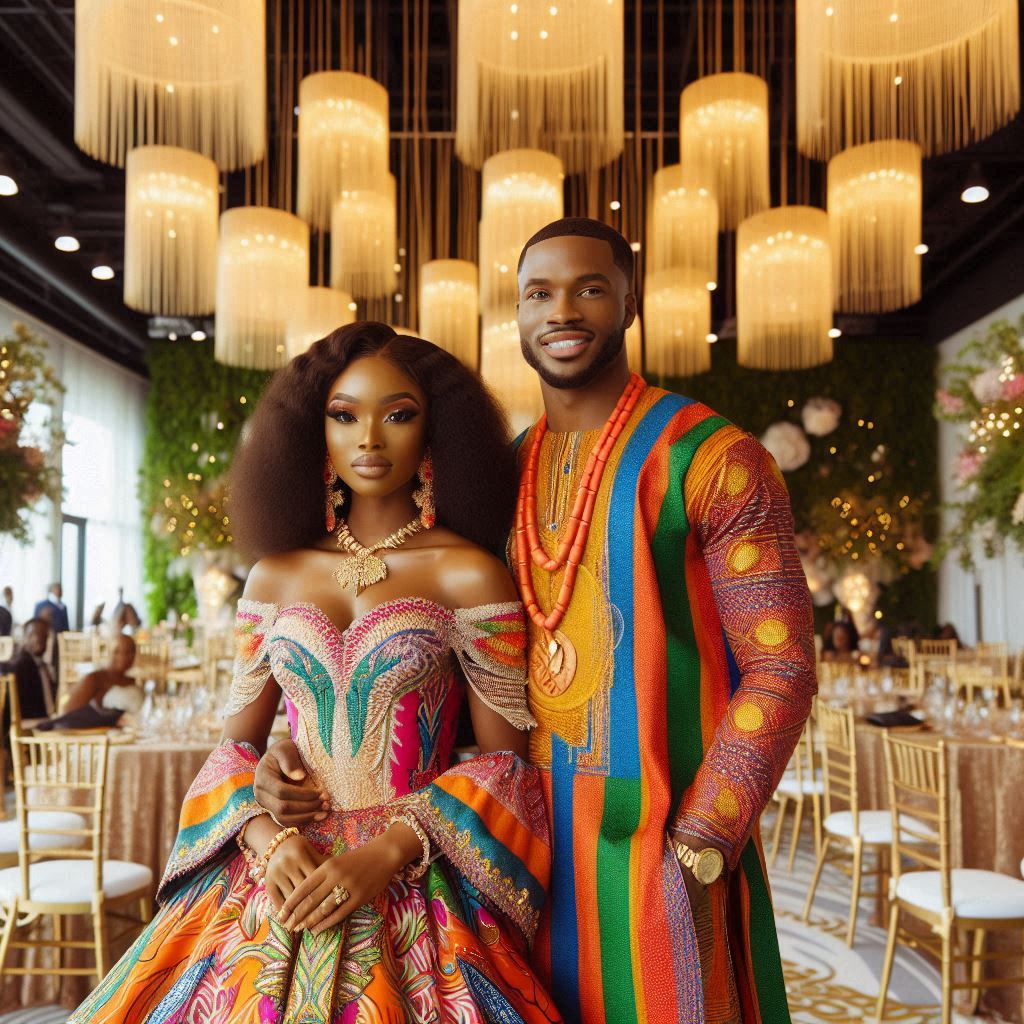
x,y
36,636
58,591
574,307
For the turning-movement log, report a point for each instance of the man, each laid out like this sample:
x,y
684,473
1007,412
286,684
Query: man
x,y
36,692
6,611
671,666
57,608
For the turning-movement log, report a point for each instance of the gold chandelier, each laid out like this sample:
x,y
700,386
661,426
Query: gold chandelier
x,y
724,140
874,214
316,313
449,307
170,232
343,140
784,289
682,223
174,73
505,371
942,73
262,272
677,321
522,191
364,240
540,76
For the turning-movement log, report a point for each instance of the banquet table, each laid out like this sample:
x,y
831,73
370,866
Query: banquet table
x,y
986,780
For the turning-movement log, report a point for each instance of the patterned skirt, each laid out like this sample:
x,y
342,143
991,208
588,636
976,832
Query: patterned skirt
x,y
421,952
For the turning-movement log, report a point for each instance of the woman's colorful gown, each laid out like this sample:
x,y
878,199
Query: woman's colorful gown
x,y
373,711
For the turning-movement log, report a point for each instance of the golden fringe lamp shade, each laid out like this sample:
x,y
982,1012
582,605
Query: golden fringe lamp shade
x,y
784,289
522,191
316,313
343,140
170,232
171,72
364,243
874,214
505,371
677,320
539,75
449,307
262,272
724,139
942,73
682,219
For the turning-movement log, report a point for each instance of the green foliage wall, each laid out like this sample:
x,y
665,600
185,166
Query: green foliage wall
x,y
194,411
889,382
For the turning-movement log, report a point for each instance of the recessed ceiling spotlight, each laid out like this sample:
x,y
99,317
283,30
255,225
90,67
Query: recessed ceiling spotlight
x,y
834,332
711,338
103,272
66,243
198,335
921,248
975,187
8,186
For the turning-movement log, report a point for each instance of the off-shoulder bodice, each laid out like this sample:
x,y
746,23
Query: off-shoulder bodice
x,y
373,708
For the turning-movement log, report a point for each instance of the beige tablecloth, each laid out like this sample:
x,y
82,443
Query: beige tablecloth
x,y
986,783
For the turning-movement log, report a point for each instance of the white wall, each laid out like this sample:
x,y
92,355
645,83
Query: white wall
x,y
103,416
1001,580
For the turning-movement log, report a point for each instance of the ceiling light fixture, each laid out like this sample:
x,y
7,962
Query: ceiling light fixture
x,y
975,187
921,248
8,186
66,243
103,272
198,335
834,332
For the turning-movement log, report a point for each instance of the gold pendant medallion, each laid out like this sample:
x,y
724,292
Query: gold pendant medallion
x,y
553,663
361,571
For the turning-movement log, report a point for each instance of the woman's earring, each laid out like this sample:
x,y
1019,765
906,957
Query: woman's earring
x,y
423,496
333,498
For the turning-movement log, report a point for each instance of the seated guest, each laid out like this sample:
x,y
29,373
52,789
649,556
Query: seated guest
x,y
6,612
947,631
111,686
31,673
841,644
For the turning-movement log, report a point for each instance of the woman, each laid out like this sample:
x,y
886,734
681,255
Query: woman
x,y
842,644
415,895
111,686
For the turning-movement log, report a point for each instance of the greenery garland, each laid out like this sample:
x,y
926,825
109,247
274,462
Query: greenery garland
x,y
195,411
28,466
985,392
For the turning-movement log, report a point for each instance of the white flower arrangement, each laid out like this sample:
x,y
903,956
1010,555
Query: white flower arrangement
x,y
821,416
788,445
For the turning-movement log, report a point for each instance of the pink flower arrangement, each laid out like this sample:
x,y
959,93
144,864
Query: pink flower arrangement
x,y
968,463
1014,387
947,402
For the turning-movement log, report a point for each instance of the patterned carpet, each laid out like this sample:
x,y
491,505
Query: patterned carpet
x,y
827,983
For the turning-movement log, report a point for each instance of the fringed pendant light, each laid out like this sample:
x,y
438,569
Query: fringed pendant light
x,y
316,313
364,240
449,308
540,76
170,232
677,319
343,140
506,372
942,73
174,73
724,139
874,215
522,191
262,272
784,289
682,223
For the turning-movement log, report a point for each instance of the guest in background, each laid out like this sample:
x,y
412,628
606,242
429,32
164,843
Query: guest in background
x,y
7,612
110,686
36,690
124,618
841,643
58,609
947,631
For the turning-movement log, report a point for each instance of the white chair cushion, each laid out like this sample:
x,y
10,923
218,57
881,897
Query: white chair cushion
x,y
809,787
1022,865
42,819
875,826
71,881
980,894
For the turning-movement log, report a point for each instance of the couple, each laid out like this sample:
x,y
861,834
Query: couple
x,y
635,695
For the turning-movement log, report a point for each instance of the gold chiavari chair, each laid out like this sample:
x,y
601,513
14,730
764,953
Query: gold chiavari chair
x,y
801,783
6,648
994,656
970,677
943,650
152,661
948,900
61,882
74,649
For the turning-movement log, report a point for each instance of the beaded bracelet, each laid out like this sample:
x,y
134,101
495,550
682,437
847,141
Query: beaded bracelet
x,y
259,869
416,869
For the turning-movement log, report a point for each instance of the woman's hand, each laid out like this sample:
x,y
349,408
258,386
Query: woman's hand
x,y
364,873
290,865
284,789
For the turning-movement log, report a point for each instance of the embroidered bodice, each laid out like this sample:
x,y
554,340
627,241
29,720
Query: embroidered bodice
x,y
373,708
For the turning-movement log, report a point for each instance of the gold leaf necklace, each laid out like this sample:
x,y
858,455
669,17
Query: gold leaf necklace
x,y
364,568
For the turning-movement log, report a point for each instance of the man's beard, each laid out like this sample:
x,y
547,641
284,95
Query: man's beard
x,y
610,350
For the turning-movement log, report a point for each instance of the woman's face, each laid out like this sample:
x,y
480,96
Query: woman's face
x,y
376,426
842,638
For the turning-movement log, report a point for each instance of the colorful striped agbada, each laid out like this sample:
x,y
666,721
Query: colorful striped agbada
x,y
691,628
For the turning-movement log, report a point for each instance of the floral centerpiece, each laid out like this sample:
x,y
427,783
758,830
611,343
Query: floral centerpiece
x,y
985,392
28,472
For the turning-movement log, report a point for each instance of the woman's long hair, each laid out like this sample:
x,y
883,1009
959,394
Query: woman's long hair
x,y
277,484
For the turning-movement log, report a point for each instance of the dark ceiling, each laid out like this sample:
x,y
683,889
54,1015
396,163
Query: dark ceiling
x,y
975,251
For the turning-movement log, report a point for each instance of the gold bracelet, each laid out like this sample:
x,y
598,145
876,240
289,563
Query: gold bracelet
x,y
264,862
414,870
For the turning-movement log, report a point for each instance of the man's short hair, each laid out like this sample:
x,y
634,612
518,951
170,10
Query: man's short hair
x,y
36,621
586,227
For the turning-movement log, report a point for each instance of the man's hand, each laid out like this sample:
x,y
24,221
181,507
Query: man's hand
x,y
283,788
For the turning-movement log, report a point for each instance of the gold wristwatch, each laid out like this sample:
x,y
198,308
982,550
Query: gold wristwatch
x,y
707,864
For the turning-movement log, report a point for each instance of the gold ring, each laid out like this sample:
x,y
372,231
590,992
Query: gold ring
x,y
341,894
